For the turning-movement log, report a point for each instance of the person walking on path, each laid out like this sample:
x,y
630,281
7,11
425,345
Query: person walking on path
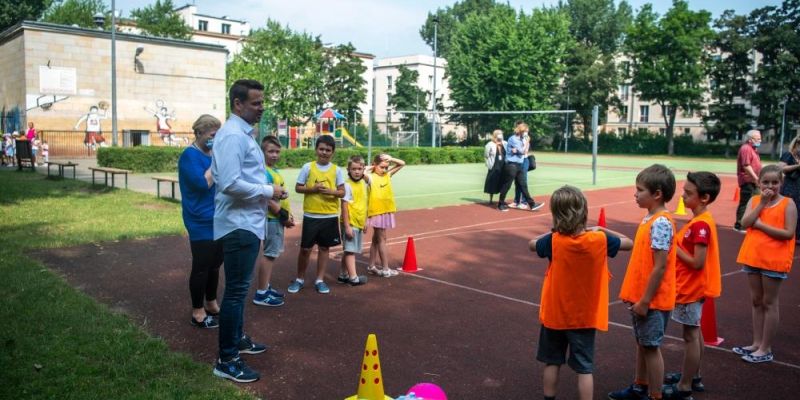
x,y
513,169
197,205
790,166
494,154
748,166
240,205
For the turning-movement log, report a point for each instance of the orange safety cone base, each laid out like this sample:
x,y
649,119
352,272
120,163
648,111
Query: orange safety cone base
x,y
716,342
708,323
410,259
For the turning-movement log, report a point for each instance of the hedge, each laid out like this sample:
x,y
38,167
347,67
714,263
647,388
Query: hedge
x,y
647,143
165,159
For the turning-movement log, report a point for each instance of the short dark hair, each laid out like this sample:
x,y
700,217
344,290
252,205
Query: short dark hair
x,y
269,139
326,139
355,159
658,177
241,89
707,184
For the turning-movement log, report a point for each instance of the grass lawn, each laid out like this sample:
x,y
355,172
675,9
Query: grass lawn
x,y
58,342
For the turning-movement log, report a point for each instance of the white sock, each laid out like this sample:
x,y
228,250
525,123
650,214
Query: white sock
x,y
261,291
301,281
318,281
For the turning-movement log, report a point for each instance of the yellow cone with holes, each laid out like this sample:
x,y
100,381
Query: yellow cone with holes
x,y
681,207
370,386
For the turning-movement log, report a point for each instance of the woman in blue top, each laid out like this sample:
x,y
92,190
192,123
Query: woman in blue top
x,y
197,201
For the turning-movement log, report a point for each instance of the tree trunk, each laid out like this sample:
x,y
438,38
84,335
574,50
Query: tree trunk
x,y
587,126
670,130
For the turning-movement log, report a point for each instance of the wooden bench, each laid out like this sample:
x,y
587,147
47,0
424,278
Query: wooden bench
x,y
61,166
113,172
169,179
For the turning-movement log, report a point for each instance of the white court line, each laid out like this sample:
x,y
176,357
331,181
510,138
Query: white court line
x,y
579,181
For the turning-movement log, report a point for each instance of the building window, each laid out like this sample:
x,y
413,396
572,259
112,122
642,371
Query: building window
x,y
626,68
644,113
202,25
624,92
623,113
226,29
622,131
389,83
687,131
665,111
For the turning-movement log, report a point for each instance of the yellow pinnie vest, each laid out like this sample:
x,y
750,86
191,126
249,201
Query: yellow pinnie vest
x,y
358,207
276,178
381,195
318,203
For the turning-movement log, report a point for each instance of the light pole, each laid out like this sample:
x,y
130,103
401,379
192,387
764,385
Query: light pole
x,y
433,100
113,73
783,125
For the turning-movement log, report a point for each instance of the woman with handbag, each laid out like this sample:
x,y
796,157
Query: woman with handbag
x,y
494,155
519,202
515,154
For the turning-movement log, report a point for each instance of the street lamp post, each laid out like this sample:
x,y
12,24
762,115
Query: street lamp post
x,y
433,99
113,73
783,126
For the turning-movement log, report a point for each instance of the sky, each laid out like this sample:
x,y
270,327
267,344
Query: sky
x,y
385,28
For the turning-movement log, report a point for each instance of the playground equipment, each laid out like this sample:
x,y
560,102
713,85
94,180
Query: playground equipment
x,y
327,121
341,132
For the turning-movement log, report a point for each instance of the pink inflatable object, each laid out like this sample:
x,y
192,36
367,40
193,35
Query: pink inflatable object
x,y
428,391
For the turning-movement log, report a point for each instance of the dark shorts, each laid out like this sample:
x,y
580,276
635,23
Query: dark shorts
x,y
323,232
553,345
649,330
765,272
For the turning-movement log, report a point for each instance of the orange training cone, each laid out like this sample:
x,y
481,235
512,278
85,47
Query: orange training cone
x,y
681,207
410,260
601,221
708,323
736,194
370,386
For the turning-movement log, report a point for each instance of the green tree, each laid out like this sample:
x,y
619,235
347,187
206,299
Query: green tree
x,y
668,57
729,73
344,81
290,66
504,61
161,19
449,17
14,12
597,26
775,36
75,12
407,97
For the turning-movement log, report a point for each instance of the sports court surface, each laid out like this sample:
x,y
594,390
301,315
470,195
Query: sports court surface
x,y
469,320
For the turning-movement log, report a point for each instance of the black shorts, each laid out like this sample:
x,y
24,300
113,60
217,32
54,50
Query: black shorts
x,y
553,344
323,232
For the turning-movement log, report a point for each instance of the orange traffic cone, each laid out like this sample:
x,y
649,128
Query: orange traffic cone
x,y
410,260
601,221
736,194
370,386
708,323
681,207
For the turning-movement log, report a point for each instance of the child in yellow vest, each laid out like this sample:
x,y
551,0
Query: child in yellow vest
x,y
649,284
697,277
767,253
578,264
279,216
380,212
354,220
322,184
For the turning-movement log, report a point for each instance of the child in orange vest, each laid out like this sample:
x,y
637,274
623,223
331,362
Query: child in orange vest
x,y
578,264
766,253
649,284
697,277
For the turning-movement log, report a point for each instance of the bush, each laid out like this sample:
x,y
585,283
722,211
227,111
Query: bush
x,y
643,142
140,158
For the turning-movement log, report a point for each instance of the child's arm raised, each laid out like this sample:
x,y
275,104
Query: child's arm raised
x,y
751,214
790,223
397,164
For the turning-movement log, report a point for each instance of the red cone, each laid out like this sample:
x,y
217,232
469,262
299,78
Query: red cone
x,y
736,194
708,323
601,221
410,260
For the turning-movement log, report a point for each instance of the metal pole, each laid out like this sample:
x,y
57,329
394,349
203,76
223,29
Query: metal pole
x,y
595,113
783,126
566,126
433,100
113,73
371,122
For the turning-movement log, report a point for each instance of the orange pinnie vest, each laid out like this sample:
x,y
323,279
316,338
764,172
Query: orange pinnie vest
x,y
575,289
762,251
691,284
640,266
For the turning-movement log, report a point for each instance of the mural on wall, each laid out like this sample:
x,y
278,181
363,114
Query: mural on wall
x,y
94,131
163,127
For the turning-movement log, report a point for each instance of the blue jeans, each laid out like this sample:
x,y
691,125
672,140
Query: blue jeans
x,y
517,189
241,250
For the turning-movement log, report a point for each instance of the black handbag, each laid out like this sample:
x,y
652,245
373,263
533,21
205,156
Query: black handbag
x,y
531,162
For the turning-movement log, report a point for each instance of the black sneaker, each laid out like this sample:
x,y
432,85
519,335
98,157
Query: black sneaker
x,y
632,392
208,322
343,278
502,207
537,206
359,281
248,346
671,392
235,370
675,377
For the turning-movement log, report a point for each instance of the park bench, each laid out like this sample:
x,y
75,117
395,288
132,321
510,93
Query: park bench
x,y
169,179
113,172
61,166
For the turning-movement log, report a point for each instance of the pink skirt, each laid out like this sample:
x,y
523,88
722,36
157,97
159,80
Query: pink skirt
x,y
382,221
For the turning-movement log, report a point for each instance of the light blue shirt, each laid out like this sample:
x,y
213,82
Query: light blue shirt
x,y
514,142
237,166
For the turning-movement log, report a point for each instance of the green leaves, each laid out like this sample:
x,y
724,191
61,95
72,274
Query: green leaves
x,y
14,12
75,12
408,96
345,87
160,19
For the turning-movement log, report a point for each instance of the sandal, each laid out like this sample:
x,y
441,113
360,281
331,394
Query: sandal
x,y
742,351
758,359
388,272
374,270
